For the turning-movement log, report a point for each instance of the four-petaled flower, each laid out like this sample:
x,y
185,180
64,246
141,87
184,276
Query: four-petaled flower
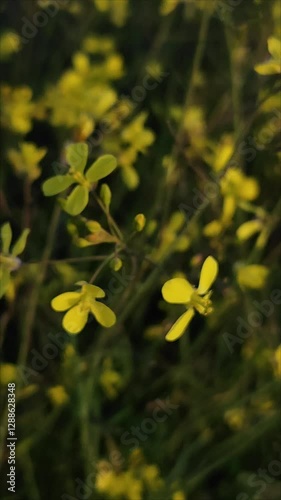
x,y
80,304
180,291
76,156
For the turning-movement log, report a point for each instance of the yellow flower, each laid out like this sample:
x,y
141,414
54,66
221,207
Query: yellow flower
x,y
110,380
58,395
9,43
235,187
178,495
25,161
273,65
140,222
16,108
235,418
8,373
80,304
180,291
253,276
248,229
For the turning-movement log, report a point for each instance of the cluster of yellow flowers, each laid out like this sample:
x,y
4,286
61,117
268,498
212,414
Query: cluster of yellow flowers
x,y
134,483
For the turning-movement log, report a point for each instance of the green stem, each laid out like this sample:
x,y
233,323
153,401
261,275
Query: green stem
x,y
34,296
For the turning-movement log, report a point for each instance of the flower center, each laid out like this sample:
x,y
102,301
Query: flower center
x,y
79,178
202,304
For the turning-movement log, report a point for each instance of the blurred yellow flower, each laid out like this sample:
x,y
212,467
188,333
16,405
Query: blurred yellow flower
x,y
178,495
235,418
140,222
110,380
273,65
118,11
80,304
58,395
26,160
253,276
180,291
16,108
8,373
235,187
9,44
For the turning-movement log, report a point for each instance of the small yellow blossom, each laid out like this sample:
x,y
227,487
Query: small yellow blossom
x,y
235,418
235,187
8,373
26,160
180,291
110,380
178,495
80,304
9,44
16,108
140,222
253,276
273,65
58,395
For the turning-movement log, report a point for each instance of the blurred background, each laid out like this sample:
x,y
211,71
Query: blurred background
x,y
186,95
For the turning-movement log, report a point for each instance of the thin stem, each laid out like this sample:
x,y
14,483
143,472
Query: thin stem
x,y
34,296
70,260
110,220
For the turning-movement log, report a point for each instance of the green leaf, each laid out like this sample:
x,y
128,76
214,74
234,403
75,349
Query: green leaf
x,y
6,237
19,246
57,184
101,168
77,200
77,155
105,195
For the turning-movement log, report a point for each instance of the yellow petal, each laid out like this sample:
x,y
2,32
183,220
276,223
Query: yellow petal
x,y
248,229
103,314
249,189
75,319
253,276
208,275
180,325
274,47
177,291
93,291
65,300
213,229
270,67
228,209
